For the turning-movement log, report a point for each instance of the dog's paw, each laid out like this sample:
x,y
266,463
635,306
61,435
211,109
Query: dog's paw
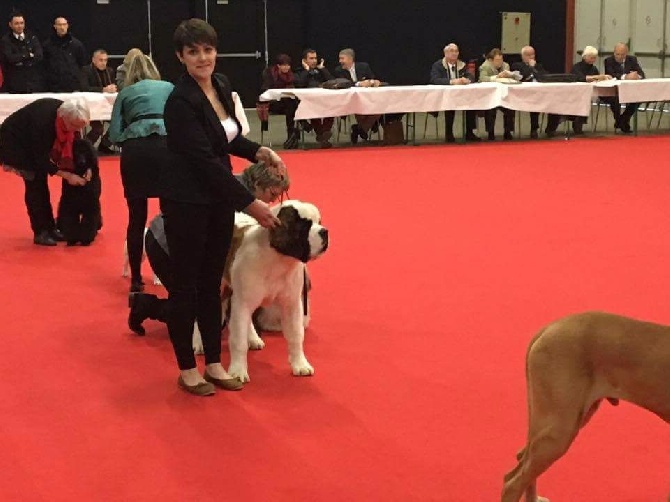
x,y
256,343
301,367
239,371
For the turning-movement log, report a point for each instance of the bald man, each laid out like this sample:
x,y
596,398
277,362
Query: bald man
x,y
64,59
530,70
622,67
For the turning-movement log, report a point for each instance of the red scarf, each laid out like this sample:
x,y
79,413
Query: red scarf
x,y
282,80
61,151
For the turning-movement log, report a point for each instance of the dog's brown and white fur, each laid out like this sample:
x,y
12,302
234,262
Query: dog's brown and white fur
x,y
571,366
266,267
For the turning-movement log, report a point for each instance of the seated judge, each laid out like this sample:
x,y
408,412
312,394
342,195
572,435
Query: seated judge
x,y
280,76
362,76
530,70
491,70
586,71
313,74
452,71
621,66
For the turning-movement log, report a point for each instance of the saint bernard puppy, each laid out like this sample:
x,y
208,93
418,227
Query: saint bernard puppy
x,y
267,268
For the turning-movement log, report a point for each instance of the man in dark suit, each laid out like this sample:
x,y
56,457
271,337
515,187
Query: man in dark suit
x,y
530,70
21,57
622,67
452,71
98,77
313,74
362,76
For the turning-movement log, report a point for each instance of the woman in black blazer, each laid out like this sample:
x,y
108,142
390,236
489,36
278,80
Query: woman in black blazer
x,y
198,197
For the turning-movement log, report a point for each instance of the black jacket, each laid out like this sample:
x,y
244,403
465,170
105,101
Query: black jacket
x,y
21,72
64,60
312,78
199,170
28,134
615,70
583,69
528,73
363,72
440,76
95,80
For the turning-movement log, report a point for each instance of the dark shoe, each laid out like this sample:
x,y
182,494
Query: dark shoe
x,y
354,134
201,389
105,150
375,127
292,141
578,131
533,134
625,127
492,136
508,136
136,286
450,138
472,137
225,384
362,133
44,239
57,235
135,317
550,133
71,243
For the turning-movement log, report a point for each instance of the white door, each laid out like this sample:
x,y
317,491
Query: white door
x,y
647,36
616,26
587,25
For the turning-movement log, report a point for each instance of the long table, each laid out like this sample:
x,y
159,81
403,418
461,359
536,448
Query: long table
x,y
99,103
563,98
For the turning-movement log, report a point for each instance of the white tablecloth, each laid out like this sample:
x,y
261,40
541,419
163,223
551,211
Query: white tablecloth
x,y
317,102
561,98
99,103
568,98
635,91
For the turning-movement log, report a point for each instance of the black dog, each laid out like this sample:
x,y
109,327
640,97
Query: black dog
x,y
79,213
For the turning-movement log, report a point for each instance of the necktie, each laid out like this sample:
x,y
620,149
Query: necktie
x,y
21,37
453,72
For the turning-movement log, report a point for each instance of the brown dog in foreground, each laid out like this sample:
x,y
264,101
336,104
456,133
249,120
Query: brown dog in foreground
x,y
571,366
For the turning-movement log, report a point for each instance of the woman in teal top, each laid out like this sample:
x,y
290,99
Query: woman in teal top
x,y
137,125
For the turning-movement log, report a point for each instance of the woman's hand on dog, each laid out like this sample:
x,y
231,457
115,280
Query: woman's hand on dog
x,y
260,211
72,178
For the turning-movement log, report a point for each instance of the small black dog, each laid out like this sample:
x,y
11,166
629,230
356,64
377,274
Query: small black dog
x,y
79,212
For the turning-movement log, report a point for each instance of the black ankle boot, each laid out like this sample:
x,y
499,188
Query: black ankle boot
x,y
137,315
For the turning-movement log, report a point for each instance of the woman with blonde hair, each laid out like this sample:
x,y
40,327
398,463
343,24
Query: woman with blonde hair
x,y
123,67
137,125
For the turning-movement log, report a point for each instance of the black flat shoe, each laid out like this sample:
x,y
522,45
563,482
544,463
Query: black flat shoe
x,y
57,235
44,239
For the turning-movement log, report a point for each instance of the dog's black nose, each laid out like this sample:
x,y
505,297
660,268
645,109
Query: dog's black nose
x,y
323,233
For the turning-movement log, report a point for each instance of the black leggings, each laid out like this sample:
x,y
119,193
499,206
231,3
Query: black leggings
x,y
198,238
137,220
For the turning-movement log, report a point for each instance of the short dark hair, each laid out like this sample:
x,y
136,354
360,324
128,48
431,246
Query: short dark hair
x,y
283,59
493,53
307,51
193,32
15,13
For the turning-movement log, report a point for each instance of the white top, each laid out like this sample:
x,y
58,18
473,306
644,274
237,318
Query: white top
x,y
230,126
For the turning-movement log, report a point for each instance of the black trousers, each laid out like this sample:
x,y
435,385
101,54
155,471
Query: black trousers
x,y
286,107
38,203
198,237
615,106
534,121
97,129
470,121
490,119
148,305
553,120
137,220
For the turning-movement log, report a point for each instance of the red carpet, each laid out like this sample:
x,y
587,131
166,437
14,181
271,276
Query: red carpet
x,y
444,262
